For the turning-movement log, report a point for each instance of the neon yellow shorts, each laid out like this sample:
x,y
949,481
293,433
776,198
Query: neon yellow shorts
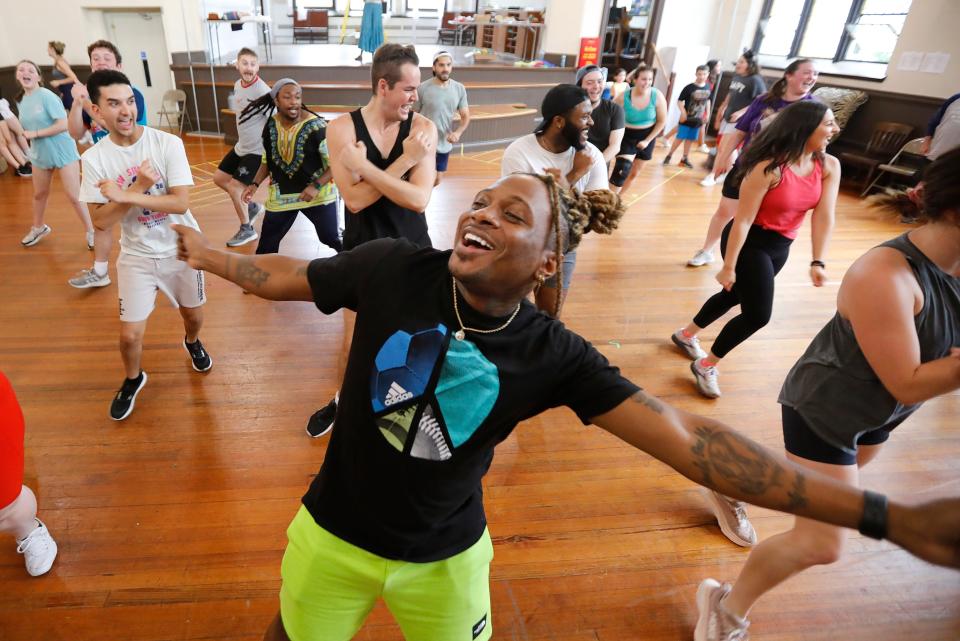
x,y
330,586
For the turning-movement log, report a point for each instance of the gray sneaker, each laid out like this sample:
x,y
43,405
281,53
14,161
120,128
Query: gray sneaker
x,y
253,210
36,233
706,379
89,278
714,622
244,235
732,518
690,346
701,258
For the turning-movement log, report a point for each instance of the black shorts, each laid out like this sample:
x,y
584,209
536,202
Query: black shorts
x,y
800,440
731,184
442,159
242,168
631,138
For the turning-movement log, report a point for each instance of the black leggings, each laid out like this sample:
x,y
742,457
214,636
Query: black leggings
x,y
761,259
276,224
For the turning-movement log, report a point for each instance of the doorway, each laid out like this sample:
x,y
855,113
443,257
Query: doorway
x,y
140,38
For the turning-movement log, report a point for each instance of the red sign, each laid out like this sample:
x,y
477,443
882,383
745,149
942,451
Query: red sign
x,y
589,52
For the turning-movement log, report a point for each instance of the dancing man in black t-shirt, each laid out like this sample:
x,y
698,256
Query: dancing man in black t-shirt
x,y
449,357
385,170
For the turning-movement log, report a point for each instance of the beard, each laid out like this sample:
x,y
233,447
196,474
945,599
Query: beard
x,y
571,134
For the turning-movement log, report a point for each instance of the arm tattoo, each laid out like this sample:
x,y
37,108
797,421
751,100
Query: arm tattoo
x,y
245,273
729,457
650,402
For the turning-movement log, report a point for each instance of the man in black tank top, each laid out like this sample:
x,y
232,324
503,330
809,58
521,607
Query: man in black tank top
x,y
385,155
384,164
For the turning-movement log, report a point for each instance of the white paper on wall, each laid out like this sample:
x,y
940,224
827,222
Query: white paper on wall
x,y
910,61
935,62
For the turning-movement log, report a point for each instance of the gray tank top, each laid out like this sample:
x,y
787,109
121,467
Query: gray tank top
x,y
835,390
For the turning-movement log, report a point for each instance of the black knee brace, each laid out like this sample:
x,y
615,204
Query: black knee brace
x,y
621,169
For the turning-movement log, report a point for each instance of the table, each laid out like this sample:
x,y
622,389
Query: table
x,y
213,33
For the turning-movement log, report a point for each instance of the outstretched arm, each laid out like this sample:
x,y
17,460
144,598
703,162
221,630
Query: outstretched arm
x,y
270,276
715,456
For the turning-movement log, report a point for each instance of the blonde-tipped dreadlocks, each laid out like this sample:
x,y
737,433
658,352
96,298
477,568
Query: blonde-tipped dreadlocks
x,y
574,214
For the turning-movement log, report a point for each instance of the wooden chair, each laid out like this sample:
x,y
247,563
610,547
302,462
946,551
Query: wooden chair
x,y
907,164
315,24
885,141
447,35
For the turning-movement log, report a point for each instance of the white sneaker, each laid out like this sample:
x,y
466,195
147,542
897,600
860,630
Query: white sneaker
x,y
708,180
38,550
701,258
706,379
704,149
36,233
689,346
87,278
732,518
714,622
722,177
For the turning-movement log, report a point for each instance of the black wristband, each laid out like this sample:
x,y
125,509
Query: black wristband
x,y
818,263
873,523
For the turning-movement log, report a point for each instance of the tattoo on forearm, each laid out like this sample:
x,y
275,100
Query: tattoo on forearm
x,y
728,457
648,401
245,273
797,493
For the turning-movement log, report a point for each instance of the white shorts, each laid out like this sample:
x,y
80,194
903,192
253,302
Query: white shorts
x,y
727,128
5,109
139,278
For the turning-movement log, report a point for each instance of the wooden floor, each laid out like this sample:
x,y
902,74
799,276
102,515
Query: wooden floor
x,y
171,524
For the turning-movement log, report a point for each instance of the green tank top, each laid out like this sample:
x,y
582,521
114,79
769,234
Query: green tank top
x,y
640,118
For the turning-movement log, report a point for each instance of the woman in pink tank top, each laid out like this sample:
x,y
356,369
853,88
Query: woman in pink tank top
x,y
786,173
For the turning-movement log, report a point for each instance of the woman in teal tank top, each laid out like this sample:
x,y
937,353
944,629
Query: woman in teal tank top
x,y
646,113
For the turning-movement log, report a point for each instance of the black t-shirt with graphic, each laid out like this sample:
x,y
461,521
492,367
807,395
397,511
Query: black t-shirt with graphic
x,y
695,99
420,411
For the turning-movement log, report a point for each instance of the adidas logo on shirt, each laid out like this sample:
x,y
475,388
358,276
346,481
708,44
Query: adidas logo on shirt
x,y
396,394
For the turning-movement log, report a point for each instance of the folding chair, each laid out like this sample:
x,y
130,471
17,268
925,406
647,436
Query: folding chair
x,y
174,103
900,164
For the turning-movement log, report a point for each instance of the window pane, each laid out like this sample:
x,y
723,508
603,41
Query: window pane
x,y
874,37
781,27
885,6
824,28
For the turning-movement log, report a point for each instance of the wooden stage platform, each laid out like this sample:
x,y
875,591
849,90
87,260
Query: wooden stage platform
x,y
172,523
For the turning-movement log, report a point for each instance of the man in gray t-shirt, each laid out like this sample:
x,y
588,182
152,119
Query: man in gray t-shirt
x,y
440,98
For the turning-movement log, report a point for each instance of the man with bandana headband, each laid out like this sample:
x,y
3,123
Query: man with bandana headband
x,y
559,145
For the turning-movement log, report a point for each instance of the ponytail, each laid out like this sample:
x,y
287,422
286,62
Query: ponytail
x,y
779,88
263,104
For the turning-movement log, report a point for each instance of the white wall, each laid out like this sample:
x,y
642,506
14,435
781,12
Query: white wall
x,y
23,35
691,22
568,21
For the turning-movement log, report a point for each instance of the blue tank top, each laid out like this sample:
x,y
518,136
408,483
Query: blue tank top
x,y
640,118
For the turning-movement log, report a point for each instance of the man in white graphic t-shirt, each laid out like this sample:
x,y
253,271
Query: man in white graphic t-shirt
x,y
139,177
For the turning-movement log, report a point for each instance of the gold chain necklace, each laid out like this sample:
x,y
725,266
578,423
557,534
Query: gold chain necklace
x,y
461,333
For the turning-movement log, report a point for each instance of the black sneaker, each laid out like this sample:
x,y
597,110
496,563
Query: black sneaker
x,y
122,403
666,160
685,163
201,360
25,171
322,420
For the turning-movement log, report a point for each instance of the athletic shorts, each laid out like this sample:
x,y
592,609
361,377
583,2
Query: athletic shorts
x,y
688,133
569,264
731,184
632,137
800,440
11,444
442,160
139,279
242,168
726,128
330,586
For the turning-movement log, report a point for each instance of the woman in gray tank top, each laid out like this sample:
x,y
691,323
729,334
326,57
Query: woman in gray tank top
x,y
893,344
